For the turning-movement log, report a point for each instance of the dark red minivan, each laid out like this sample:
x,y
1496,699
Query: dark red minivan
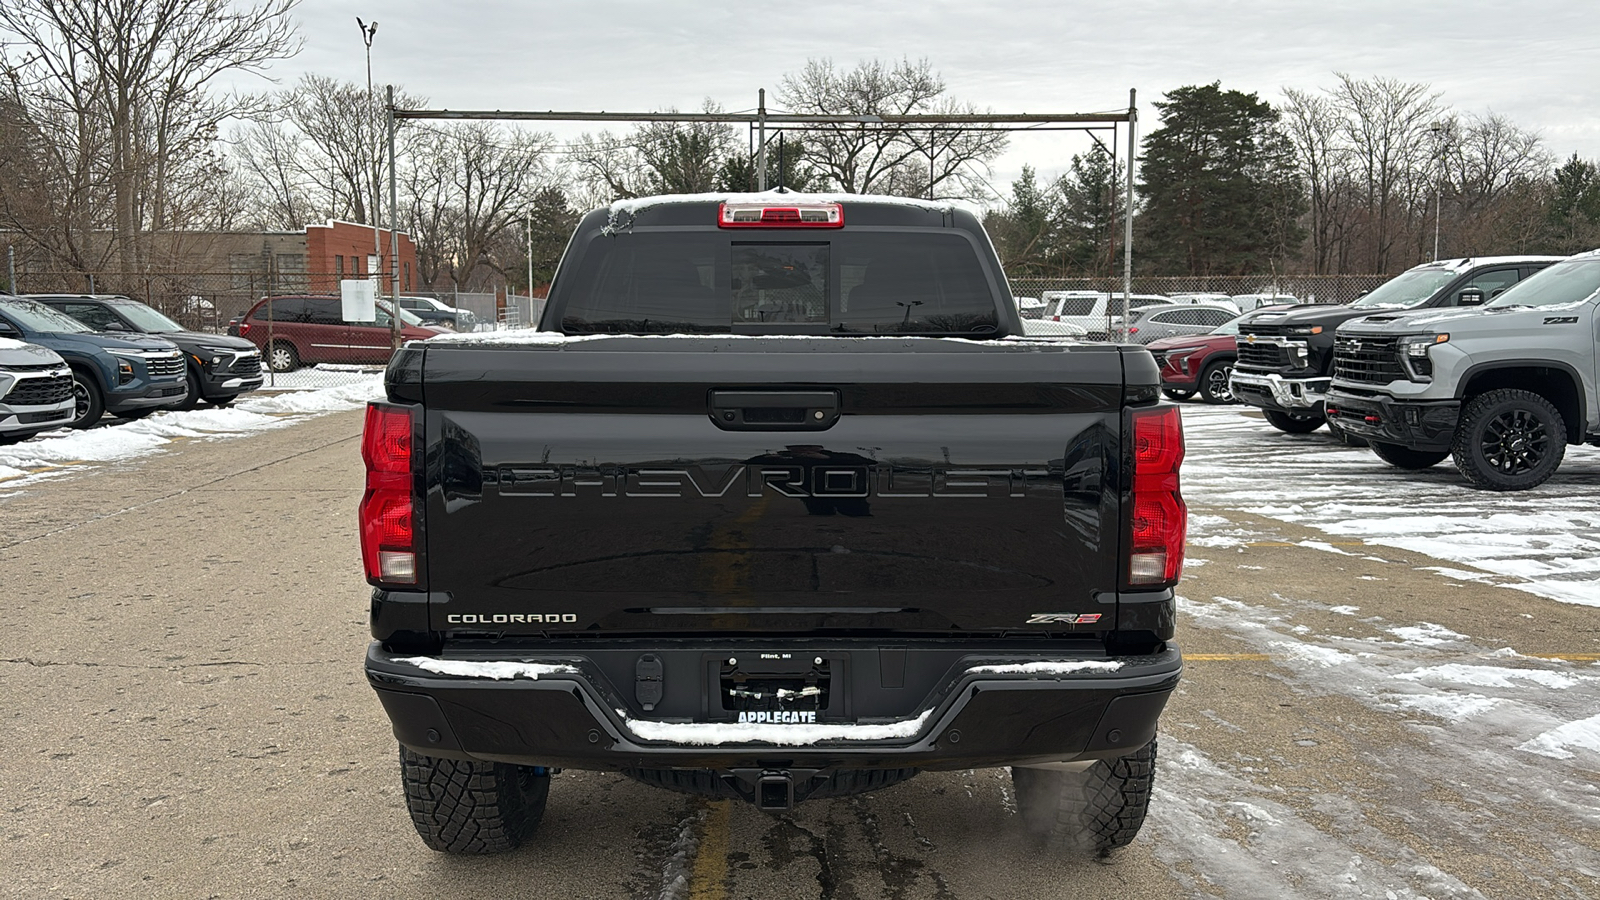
x,y
303,329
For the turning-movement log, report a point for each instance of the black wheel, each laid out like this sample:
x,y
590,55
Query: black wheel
x,y
282,358
1509,440
88,404
193,400
1096,810
472,807
1294,423
1177,395
1406,458
1214,382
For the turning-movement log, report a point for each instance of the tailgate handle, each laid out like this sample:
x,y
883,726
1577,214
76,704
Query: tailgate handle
x,y
774,410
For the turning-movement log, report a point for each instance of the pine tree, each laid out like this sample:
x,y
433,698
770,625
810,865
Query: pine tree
x,y
1091,205
1574,210
1221,193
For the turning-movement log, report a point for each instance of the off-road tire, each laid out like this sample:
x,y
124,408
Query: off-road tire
x,y
1177,395
472,807
1406,458
281,357
1293,423
89,404
1497,463
1093,811
1214,382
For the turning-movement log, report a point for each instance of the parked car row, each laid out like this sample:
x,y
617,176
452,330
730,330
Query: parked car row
x,y
111,355
304,329
1491,362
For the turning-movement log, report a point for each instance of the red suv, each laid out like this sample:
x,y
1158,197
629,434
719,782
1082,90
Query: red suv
x,y
1198,362
303,329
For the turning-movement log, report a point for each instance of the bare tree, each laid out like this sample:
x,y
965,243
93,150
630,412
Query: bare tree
x,y
272,159
129,84
349,140
656,158
1316,128
469,185
865,158
1387,123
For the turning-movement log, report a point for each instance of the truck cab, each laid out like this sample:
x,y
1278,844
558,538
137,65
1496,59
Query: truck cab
x,y
1502,388
1286,358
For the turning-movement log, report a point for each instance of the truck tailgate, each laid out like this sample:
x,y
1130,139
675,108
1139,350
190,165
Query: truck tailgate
x,y
648,485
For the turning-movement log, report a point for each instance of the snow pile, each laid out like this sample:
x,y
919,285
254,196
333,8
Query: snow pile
x,y
1488,676
1049,668
497,670
63,450
1426,634
1584,734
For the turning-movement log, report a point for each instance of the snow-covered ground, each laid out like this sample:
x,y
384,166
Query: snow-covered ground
x,y
1471,739
63,451
1545,541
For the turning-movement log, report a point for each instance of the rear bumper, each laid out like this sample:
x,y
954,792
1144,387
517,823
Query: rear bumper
x,y
1273,391
560,709
1416,425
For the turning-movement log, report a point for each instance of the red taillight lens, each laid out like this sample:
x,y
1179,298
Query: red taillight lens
x,y
388,533
244,328
1158,518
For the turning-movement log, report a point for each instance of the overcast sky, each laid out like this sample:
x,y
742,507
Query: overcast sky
x,y
1536,62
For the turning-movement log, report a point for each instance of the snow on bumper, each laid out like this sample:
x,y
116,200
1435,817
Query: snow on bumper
x,y
562,712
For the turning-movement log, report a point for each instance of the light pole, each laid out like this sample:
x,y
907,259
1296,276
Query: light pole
x,y
375,271
1439,131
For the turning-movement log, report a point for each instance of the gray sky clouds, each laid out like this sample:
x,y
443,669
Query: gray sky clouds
x,y
1536,62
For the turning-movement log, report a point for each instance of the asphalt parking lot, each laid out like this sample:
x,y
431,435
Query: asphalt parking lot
x,y
186,716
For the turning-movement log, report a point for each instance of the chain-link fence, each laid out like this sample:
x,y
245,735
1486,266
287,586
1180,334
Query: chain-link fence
x,y
295,358
1306,288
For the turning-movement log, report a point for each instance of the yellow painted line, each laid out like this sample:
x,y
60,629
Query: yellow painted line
x,y
1289,544
1223,657
706,879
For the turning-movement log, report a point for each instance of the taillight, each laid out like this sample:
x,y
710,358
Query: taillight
x,y
388,529
783,215
1158,518
244,328
1133,330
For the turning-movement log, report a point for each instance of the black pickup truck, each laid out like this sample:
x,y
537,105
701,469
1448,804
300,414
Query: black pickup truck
x,y
773,508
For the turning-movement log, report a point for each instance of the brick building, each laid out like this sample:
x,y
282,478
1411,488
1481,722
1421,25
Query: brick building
x,y
344,250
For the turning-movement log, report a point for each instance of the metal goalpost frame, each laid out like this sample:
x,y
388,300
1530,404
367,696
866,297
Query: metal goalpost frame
x,y
761,119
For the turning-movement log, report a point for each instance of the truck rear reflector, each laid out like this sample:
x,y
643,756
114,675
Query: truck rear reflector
x,y
795,215
1158,518
388,533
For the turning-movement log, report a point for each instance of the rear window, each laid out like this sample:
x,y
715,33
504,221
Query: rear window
x,y
648,282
